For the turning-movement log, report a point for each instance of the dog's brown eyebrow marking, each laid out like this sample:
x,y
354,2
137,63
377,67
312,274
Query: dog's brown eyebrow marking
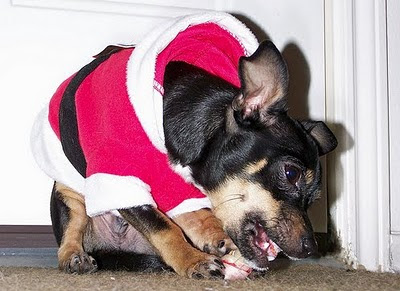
x,y
256,167
309,176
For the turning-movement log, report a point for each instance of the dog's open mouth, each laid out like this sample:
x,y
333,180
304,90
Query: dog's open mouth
x,y
263,245
253,242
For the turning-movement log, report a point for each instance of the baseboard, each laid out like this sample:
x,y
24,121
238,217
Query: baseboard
x,y
27,236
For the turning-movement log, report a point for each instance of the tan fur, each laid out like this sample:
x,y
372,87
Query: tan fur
x,y
73,235
256,167
298,229
309,176
204,230
176,251
293,229
237,196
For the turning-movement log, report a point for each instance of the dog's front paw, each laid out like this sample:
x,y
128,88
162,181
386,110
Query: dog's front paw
x,y
218,244
79,263
206,267
205,231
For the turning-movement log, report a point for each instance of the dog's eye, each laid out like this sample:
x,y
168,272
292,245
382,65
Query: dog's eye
x,y
292,174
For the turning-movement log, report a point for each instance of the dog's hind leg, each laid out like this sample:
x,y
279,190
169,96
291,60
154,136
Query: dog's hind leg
x,y
205,231
69,221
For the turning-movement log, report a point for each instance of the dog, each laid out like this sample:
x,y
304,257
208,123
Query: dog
x,y
258,167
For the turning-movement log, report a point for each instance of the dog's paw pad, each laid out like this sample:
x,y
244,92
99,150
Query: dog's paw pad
x,y
81,263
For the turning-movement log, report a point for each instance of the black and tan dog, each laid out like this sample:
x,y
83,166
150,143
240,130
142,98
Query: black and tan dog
x,y
259,167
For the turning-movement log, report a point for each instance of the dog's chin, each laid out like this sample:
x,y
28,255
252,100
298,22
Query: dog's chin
x,y
256,247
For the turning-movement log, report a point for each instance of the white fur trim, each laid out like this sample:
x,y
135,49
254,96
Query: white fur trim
x,y
189,205
146,100
186,173
104,192
49,155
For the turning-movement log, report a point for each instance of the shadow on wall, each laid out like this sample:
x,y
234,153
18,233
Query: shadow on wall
x,y
336,178
299,81
299,71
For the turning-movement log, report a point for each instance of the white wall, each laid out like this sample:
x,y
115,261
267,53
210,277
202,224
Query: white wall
x,y
40,47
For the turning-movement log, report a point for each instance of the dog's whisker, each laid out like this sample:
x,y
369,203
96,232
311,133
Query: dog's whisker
x,y
235,194
229,200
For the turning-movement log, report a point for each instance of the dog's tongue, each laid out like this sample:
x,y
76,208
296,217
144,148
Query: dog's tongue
x,y
263,242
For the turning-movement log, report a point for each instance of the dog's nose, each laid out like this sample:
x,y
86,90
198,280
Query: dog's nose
x,y
310,247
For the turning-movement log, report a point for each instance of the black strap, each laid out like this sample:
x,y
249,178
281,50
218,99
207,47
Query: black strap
x,y
69,131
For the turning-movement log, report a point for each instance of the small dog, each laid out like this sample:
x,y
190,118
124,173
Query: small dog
x,y
258,166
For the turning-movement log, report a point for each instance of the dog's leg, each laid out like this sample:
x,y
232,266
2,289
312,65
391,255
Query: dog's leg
x,y
205,231
170,243
71,256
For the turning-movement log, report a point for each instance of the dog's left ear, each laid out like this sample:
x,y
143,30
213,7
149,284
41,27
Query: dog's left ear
x,y
264,85
323,136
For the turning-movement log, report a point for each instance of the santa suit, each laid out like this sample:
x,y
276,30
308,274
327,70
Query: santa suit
x,y
117,108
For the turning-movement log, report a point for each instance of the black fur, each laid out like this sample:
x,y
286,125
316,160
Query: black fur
x,y
120,260
59,213
144,218
327,141
192,99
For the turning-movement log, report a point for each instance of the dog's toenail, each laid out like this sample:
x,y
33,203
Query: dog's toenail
x,y
216,273
219,263
206,248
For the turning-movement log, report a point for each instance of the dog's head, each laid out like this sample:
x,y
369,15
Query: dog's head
x,y
269,164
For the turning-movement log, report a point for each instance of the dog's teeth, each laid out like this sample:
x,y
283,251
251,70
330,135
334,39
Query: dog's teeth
x,y
265,245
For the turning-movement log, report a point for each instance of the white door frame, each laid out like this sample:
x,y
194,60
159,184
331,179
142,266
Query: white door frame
x,y
357,108
393,41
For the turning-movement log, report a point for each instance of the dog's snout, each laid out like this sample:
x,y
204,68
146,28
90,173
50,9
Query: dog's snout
x,y
310,248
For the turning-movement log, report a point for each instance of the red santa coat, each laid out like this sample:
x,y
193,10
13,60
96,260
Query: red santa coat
x,y
119,117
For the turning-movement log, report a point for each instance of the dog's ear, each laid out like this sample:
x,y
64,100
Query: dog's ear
x,y
323,136
264,85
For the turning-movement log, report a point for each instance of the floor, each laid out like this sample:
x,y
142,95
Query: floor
x,y
35,269
47,258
